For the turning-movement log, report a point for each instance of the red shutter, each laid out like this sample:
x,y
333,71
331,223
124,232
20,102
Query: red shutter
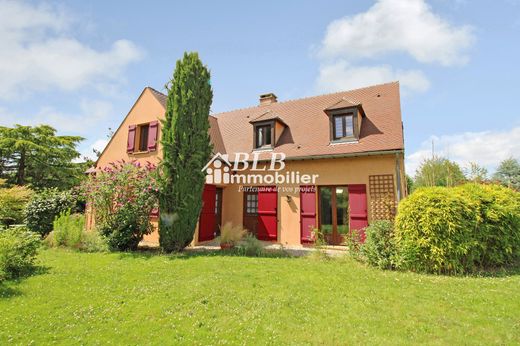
x,y
267,213
357,200
131,139
307,212
152,135
207,214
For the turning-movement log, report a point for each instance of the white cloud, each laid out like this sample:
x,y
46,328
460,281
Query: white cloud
x,y
390,26
342,76
37,52
99,145
92,114
407,26
486,148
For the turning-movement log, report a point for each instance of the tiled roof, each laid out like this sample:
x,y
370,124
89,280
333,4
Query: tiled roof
x,y
307,131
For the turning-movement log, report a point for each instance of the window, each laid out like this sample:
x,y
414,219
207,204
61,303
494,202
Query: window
x,y
263,134
343,126
252,203
143,137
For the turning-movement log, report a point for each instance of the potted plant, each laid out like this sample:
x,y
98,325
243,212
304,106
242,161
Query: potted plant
x,y
230,235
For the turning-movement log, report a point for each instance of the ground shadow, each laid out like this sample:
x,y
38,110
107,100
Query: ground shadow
x,y
147,253
6,288
8,291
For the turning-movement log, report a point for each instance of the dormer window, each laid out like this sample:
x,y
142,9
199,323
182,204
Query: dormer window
x,y
343,126
264,136
345,117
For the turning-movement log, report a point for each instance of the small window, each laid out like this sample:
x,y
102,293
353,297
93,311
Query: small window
x,y
263,136
252,203
343,126
143,137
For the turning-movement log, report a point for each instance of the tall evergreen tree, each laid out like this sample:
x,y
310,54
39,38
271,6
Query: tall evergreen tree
x,y
186,149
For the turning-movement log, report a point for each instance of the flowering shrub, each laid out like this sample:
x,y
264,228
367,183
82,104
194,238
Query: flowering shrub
x,y
122,197
46,205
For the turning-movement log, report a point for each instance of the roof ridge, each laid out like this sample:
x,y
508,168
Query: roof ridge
x,y
310,97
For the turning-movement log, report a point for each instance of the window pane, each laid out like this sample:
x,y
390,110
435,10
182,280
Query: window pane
x,y
267,130
342,217
349,126
259,137
143,137
338,127
326,210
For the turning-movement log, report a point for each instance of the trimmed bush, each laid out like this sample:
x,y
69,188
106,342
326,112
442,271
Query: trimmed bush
x,y
498,223
379,247
435,230
457,230
45,206
18,248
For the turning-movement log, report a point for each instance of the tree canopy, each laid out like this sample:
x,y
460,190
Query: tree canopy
x,y
438,171
508,173
36,156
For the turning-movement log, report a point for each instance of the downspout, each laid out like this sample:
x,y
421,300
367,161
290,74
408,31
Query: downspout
x,y
398,177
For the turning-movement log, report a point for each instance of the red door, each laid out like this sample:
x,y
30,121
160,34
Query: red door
x,y
307,212
267,213
357,196
207,214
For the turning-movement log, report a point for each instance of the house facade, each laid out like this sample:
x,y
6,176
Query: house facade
x,y
332,162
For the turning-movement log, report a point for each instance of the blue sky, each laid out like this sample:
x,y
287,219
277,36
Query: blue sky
x,y
80,65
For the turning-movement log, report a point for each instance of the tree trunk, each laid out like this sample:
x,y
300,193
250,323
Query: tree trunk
x,y
20,175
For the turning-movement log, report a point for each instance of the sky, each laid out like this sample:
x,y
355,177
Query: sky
x,y
80,65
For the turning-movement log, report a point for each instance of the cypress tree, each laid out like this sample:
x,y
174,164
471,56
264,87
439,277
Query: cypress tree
x,y
186,149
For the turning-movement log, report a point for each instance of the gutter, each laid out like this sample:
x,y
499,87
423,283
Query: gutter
x,y
338,156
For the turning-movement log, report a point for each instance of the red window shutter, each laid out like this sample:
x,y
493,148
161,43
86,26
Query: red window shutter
x,y
152,135
267,213
207,213
131,139
307,212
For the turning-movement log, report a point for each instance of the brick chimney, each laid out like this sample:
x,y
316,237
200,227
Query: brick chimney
x,y
267,99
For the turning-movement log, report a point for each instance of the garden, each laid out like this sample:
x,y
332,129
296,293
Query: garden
x,y
444,269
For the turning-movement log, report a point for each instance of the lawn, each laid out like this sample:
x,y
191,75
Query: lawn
x,y
212,299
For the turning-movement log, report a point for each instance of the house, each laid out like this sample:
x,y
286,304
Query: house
x,y
342,156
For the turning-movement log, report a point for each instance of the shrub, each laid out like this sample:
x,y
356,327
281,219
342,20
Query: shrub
x,y
92,241
435,231
45,206
230,234
12,204
498,223
122,198
457,230
68,229
18,248
379,247
251,246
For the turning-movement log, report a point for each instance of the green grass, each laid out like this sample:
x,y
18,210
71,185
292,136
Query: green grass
x,y
210,299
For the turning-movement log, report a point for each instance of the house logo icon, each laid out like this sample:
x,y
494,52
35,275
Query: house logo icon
x,y
218,169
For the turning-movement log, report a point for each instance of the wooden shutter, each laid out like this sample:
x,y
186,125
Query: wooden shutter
x,y
131,139
307,212
357,198
267,213
207,213
152,135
